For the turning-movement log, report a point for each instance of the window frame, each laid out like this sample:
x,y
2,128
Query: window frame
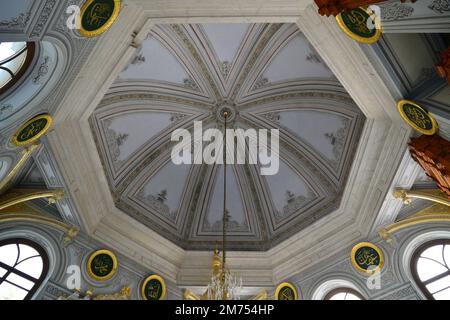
x,y
45,264
413,266
336,291
31,49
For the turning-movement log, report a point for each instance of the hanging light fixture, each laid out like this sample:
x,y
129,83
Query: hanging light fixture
x,y
223,285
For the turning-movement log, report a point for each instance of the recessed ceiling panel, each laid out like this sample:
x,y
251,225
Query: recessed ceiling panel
x,y
296,60
225,38
155,62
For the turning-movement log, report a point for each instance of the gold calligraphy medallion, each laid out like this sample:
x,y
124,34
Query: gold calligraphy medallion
x,y
367,257
417,117
102,265
97,16
32,130
153,288
286,291
360,24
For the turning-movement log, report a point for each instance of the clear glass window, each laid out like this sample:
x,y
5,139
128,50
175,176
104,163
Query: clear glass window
x,y
23,266
431,269
15,57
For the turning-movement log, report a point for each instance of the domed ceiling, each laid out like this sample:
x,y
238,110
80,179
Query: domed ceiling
x,y
271,77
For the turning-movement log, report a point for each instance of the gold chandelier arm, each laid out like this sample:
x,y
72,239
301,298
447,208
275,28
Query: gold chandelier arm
x,y
434,195
69,231
435,213
17,196
25,154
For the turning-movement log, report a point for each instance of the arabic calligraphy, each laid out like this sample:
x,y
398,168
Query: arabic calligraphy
x,y
102,265
418,116
31,130
98,14
358,20
153,290
366,257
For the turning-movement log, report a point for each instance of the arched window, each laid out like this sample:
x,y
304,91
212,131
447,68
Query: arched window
x,y
343,294
23,267
15,58
430,268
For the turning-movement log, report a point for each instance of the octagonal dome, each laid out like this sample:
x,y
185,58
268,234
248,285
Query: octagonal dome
x,y
271,77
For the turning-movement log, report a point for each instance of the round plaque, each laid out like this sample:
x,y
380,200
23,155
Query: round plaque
x,y
97,16
102,265
153,288
367,257
360,25
32,130
417,117
286,291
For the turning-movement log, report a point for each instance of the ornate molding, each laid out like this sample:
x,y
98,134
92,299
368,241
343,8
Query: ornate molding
x,y
15,23
440,6
43,18
395,11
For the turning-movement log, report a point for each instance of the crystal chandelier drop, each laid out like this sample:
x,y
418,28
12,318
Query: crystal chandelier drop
x,y
223,284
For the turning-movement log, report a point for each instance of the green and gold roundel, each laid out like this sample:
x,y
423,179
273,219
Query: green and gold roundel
x,y
367,257
153,288
102,265
97,16
32,130
286,291
417,117
360,25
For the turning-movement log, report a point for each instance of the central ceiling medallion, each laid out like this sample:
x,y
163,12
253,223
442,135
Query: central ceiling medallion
x,y
229,110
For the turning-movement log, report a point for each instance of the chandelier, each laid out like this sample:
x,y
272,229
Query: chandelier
x,y
223,285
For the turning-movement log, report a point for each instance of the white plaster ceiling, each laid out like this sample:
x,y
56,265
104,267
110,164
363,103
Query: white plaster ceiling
x,y
274,79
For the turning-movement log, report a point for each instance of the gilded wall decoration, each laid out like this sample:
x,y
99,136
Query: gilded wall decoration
x,y
102,265
417,117
97,16
355,24
286,291
32,130
153,288
367,257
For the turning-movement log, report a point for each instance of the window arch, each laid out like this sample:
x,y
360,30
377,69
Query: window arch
x,y
343,294
430,267
15,58
23,268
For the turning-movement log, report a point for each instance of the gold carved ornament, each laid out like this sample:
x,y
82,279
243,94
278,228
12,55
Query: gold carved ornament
x,y
439,211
